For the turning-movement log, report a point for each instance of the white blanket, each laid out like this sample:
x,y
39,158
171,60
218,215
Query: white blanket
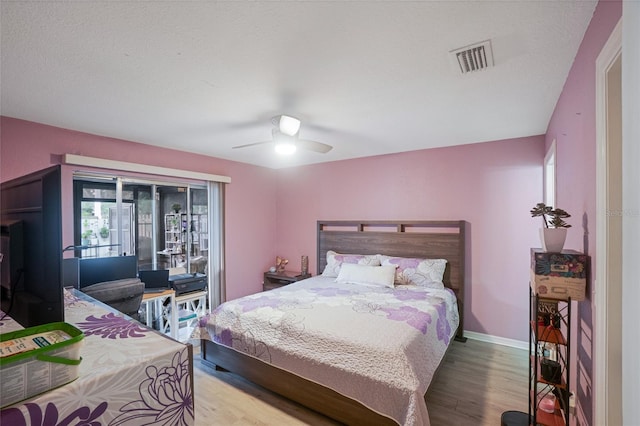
x,y
377,345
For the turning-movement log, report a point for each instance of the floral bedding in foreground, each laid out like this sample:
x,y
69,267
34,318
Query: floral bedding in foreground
x,y
377,345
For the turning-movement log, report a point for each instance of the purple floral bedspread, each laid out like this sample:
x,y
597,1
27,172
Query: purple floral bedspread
x,y
129,375
377,345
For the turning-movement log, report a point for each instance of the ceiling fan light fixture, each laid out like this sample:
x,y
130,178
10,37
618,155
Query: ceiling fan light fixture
x,y
284,144
289,125
285,148
284,137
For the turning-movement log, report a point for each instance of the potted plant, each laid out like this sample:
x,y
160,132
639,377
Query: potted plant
x,y
554,232
176,208
104,232
86,236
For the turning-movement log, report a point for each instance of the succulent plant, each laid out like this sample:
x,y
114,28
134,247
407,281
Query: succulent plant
x,y
552,218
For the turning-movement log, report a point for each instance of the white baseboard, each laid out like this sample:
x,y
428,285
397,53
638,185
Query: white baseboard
x,y
518,344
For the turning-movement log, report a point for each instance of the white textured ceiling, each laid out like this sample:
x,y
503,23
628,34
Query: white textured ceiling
x,y
368,77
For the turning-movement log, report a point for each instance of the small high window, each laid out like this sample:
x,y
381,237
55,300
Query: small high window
x,y
549,176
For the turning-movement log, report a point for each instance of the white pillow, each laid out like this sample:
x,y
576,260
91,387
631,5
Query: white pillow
x,y
335,261
421,272
364,274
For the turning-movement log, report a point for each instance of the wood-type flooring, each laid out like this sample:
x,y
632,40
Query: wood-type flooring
x,y
475,384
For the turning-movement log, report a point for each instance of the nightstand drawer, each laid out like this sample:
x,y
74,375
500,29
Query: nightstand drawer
x,y
274,280
279,281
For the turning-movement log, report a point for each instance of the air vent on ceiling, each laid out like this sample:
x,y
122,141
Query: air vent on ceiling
x,y
474,57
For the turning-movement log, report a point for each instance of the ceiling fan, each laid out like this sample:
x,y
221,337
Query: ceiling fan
x,y
285,137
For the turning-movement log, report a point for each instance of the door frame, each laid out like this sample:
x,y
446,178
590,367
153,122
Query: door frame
x,y
606,399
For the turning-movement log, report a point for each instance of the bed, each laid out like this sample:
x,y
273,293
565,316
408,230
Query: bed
x,y
352,373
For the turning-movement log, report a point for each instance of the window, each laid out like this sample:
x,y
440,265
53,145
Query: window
x,y
136,221
165,225
549,176
99,230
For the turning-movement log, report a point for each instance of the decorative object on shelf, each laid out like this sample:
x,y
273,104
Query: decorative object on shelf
x,y
176,208
272,269
547,309
548,403
554,233
559,275
550,370
281,263
304,265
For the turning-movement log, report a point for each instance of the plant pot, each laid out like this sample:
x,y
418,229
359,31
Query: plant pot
x,y
553,239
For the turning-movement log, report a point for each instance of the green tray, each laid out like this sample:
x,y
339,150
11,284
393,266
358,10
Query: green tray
x,y
41,353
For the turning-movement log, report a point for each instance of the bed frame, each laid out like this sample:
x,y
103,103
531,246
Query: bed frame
x,y
423,239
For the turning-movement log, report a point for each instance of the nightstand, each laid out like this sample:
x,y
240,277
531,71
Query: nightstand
x,y
274,279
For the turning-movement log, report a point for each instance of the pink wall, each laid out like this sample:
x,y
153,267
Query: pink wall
x,y
491,185
573,126
250,198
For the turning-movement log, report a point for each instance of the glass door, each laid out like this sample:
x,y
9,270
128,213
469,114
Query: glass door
x,y
127,245
96,222
137,224
199,231
101,231
173,235
183,234
164,225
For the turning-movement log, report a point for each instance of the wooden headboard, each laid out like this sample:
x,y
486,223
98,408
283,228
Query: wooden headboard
x,y
420,239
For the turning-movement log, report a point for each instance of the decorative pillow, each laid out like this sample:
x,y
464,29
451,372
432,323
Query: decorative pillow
x,y
422,272
335,260
382,276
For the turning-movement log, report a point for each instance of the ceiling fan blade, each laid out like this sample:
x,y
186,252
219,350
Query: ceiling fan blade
x,y
320,147
251,144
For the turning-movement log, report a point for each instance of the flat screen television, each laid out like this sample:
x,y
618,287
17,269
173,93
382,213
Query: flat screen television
x,y
31,289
